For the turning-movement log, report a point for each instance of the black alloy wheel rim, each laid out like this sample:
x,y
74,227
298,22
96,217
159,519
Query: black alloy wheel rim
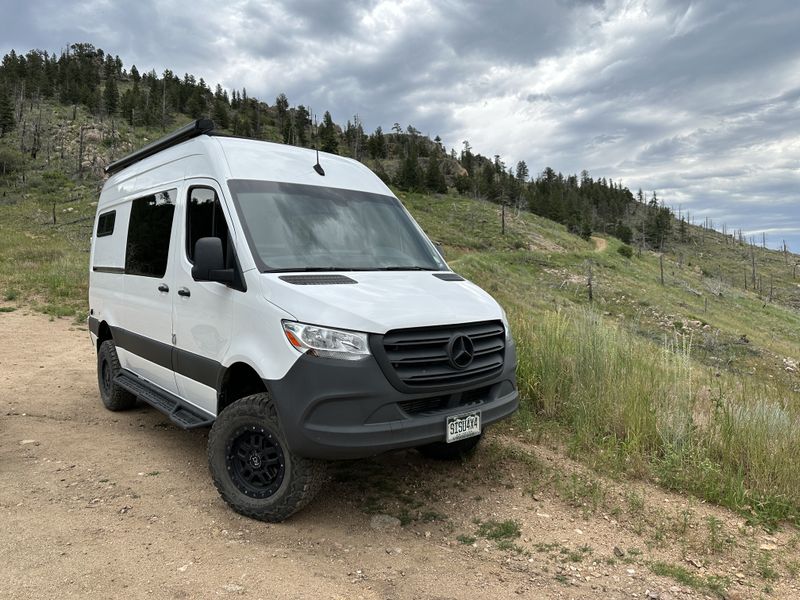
x,y
254,459
105,376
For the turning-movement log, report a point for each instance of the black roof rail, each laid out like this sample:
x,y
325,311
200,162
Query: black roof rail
x,y
187,132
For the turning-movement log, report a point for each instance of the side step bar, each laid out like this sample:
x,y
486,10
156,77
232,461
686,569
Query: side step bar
x,y
179,412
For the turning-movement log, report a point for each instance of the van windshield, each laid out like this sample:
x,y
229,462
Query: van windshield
x,y
293,227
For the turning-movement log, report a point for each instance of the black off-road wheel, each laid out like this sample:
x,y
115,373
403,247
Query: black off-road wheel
x,y
114,397
252,466
454,451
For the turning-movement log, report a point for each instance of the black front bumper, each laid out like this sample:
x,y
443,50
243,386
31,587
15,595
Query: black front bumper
x,y
335,409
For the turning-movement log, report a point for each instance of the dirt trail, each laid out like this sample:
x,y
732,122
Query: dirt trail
x,y
102,505
600,244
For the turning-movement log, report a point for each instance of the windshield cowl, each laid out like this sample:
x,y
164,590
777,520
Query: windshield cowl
x,y
348,269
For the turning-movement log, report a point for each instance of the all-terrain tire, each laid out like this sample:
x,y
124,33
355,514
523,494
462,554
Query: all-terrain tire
x,y
114,397
252,466
454,451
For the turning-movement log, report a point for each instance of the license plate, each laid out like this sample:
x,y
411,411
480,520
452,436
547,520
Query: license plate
x,y
463,426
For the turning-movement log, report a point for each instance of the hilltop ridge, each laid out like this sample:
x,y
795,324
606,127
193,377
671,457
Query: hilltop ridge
x,y
109,109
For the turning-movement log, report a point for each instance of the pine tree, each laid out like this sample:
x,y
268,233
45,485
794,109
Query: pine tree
x,y
282,106
467,158
196,104
522,172
301,123
410,176
487,185
221,116
6,113
376,145
111,96
327,135
434,178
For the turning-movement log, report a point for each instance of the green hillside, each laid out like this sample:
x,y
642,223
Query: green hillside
x,y
693,383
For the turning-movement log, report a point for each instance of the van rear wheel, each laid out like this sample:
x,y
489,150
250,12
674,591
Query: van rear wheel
x,y
114,397
252,466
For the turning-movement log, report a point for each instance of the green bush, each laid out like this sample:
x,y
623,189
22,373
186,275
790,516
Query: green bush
x,y
625,250
624,233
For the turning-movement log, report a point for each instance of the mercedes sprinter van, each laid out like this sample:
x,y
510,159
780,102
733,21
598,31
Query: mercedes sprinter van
x,y
289,301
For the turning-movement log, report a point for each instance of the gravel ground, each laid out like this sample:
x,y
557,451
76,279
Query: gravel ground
x,y
109,505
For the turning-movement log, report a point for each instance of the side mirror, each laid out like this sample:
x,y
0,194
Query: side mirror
x,y
209,265
439,249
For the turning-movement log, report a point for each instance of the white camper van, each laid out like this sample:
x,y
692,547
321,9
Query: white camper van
x,y
287,300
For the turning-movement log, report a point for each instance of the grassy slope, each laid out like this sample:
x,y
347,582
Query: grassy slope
x,y
651,380
538,266
683,383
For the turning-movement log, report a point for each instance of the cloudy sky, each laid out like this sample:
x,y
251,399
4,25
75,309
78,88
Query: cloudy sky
x,y
697,100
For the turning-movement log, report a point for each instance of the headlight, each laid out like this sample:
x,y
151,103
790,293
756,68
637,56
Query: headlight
x,y
326,343
507,327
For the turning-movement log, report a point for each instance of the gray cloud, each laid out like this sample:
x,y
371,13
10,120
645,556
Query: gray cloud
x,y
697,100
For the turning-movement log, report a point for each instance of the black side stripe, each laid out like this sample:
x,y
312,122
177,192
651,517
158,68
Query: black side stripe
x,y
149,349
94,325
199,368
117,270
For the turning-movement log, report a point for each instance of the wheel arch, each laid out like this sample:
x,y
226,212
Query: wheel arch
x,y
237,381
103,334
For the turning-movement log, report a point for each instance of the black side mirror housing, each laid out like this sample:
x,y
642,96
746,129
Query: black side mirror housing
x,y
439,249
209,264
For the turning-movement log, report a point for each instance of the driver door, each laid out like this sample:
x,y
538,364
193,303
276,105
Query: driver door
x,y
202,310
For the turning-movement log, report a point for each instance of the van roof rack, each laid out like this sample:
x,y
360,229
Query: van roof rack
x,y
187,132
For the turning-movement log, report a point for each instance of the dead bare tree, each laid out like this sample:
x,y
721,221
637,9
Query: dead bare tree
x,y
80,153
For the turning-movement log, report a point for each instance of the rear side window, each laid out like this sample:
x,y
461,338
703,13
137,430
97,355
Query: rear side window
x,y
149,233
204,218
105,223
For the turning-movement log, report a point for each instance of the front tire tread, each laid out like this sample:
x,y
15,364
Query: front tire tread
x,y
305,476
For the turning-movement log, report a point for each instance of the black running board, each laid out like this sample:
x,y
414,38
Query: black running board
x,y
184,415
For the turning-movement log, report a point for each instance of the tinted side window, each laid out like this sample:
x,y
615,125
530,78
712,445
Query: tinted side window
x,y
204,218
149,232
105,223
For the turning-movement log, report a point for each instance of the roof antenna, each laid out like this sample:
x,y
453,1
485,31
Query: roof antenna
x,y
318,167
315,132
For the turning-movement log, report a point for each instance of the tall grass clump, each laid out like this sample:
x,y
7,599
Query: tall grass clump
x,y
743,453
649,405
602,382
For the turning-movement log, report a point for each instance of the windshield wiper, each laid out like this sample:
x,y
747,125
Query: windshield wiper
x,y
326,269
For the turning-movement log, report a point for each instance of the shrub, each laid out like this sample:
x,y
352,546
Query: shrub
x,y
624,233
625,251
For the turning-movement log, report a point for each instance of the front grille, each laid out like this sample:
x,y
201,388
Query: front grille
x,y
424,405
418,358
435,404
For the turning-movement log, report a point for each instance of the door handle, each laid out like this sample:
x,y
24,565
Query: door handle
x,y
163,288
184,292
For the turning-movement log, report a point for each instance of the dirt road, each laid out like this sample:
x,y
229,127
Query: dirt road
x,y
120,505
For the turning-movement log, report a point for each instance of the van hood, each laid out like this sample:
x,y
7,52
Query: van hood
x,y
380,301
